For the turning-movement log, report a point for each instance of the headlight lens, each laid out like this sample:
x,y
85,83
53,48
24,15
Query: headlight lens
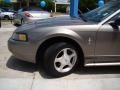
x,y
19,37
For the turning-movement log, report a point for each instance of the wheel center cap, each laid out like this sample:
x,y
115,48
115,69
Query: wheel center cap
x,y
66,61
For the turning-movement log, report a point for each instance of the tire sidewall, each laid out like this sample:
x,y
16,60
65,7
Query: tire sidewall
x,y
50,55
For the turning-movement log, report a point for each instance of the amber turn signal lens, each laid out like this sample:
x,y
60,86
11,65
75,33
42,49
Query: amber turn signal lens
x,y
22,37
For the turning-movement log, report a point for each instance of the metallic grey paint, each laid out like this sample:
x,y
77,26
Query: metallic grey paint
x,y
99,42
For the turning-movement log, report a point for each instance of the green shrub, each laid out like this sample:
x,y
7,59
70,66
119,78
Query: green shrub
x,y
5,4
50,6
90,4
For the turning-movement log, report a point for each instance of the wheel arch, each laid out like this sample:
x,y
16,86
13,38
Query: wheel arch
x,y
57,39
7,16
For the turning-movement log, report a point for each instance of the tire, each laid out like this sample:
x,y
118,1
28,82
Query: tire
x,y
16,24
58,68
22,22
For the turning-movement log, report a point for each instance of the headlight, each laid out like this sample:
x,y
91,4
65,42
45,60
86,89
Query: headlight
x,y
19,37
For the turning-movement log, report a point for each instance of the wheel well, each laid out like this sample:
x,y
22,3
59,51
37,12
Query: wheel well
x,y
6,16
47,43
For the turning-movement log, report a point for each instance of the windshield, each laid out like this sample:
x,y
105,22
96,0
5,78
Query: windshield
x,y
102,13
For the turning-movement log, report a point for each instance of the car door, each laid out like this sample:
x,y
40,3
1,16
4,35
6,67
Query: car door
x,y
107,48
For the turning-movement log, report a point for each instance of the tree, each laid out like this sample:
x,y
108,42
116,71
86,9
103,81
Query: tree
x,y
49,5
91,4
1,0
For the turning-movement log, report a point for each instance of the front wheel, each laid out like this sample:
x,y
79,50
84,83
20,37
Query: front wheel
x,y
60,59
22,22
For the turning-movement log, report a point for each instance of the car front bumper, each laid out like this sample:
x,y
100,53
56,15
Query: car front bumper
x,y
22,50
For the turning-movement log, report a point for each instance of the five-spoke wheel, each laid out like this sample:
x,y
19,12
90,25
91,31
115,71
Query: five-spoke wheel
x,y
65,60
60,59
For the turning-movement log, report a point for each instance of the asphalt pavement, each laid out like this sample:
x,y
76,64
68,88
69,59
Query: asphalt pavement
x,y
19,75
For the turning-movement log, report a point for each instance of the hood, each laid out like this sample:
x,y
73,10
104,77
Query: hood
x,y
53,22
9,13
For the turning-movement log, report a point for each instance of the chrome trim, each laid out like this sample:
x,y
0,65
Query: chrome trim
x,y
107,19
102,64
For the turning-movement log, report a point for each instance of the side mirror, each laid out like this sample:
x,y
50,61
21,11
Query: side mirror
x,y
117,22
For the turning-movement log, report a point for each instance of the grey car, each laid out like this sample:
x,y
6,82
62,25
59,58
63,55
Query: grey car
x,y
61,44
25,15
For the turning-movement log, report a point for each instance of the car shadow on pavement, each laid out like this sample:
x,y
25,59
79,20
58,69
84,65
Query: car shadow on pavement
x,y
19,65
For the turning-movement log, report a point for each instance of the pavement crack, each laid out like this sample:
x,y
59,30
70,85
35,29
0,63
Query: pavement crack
x,y
32,81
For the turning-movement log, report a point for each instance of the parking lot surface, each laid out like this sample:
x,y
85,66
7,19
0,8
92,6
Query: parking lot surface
x,y
19,75
7,25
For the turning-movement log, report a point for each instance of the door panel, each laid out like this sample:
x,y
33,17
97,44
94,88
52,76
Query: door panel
x,y
107,44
